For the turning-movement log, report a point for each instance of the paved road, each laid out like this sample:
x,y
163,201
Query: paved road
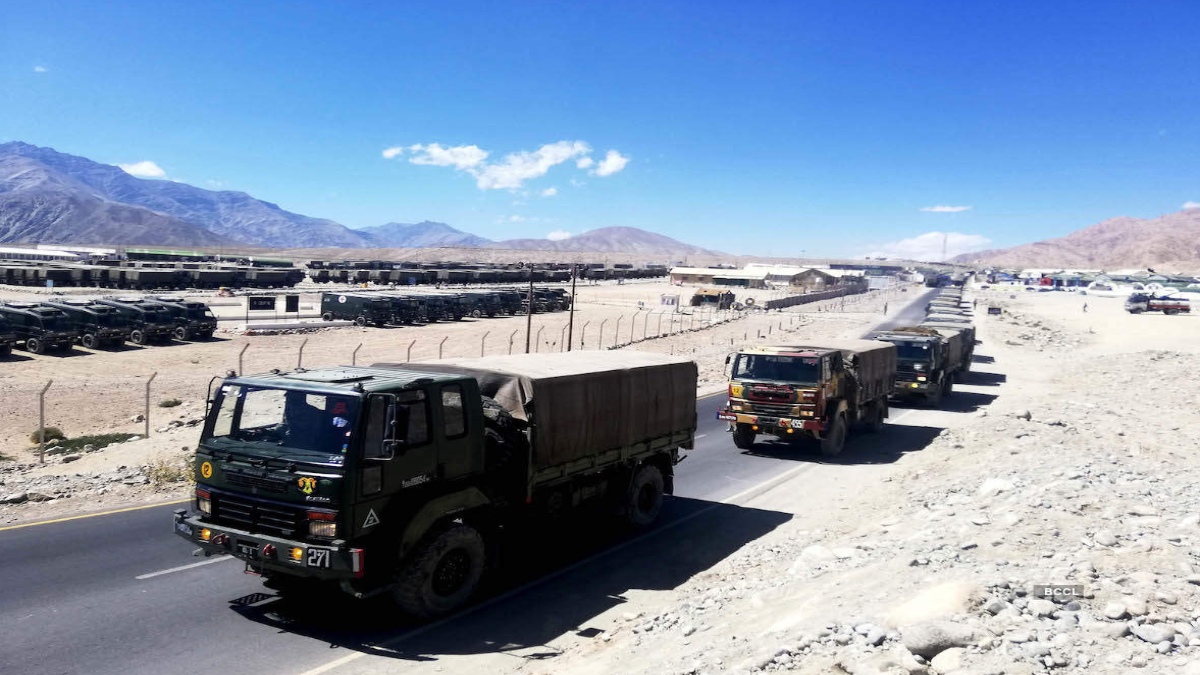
x,y
118,593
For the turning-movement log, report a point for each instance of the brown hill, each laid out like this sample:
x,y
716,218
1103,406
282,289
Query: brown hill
x,y
1169,243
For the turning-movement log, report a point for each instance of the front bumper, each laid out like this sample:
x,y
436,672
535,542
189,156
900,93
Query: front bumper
x,y
771,424
272,554
909,388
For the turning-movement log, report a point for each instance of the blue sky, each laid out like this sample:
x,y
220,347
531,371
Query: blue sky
x,y
780,128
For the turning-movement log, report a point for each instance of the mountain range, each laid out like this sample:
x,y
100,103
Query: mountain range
x,y
1170,241
52,197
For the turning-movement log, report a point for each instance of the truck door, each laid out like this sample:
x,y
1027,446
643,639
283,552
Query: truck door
x,y
396,447
461,452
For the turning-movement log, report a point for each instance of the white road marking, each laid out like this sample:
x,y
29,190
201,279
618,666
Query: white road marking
x,y
701,435
181,568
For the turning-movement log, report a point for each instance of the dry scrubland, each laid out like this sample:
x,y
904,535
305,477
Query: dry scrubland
x,y
1076,467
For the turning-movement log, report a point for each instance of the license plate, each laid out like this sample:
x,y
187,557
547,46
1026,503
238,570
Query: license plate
x,y
317,557
248,551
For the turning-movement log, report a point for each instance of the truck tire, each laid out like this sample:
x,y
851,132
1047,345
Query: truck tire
x,y
360,321
476,314
182,334
948,386
874,421
138,336
442,574
35,346
327,316
89,340
645,497
743,437
934,397
835,439
5,350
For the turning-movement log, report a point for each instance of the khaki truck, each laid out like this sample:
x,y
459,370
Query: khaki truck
x,y
928,360
809,391
398,478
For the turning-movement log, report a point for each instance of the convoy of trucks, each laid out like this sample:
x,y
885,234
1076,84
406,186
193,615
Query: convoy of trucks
x,y
100,326
399,478
39,328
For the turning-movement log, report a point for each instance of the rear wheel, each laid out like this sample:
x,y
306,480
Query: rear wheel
x,y
875,418
743,436
475,314
835,439
327,316
442,574
5,350
645,497
89,340
35,346
138,336
360,320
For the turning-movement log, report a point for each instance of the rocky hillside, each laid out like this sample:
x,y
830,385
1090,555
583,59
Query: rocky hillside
x,y
608,240
1171,242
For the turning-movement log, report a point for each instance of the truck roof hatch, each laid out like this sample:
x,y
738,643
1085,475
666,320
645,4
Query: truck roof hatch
x,y
329,376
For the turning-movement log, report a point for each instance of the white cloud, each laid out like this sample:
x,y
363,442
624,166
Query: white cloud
x,y
462,157
550,192
575,182
612,163
40,69
945,209
144,169
1191,205
393,152
515,219
584,162
519,167
928,247
558,235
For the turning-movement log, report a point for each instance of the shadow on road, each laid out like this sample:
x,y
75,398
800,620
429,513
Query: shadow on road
x,y
861,447
982,358
584,568
984,379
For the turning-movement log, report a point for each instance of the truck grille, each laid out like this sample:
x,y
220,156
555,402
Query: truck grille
x,y
259,517
771,408
263,483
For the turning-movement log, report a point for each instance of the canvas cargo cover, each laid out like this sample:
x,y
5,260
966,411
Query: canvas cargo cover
x,y
967,330
583,403
874,362
955,337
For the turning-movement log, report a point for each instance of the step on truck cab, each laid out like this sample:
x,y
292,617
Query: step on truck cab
x,y
398,478
193,319
813,391
100,326
148,322
38,327
928,360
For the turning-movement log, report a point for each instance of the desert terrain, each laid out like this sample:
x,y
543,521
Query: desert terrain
x,y
1065,457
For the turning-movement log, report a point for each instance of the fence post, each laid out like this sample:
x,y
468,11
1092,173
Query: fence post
x,y
300,356
440,345
617,330
562,336
632,326
510,340
408,354
147,420
658,326
42,422
538,339
354,355
600,340
242,371
583,334
482,341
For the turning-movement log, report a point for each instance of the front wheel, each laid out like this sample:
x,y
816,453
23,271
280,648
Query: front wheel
x,y
442,574
645,497
835,439
35,346
475,314
327,316
360,321
138,336
182,334
89,340
743,437
875,418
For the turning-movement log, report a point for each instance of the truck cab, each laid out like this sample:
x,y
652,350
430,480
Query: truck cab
x,y
922,363
40,328
8,336
100,326
193,319
148,321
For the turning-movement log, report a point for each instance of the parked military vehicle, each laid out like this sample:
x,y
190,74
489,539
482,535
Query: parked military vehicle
x,y
8,336
814,391
193,319
928,360
375,310
400,478
1149,302
39,328
100,326
148,321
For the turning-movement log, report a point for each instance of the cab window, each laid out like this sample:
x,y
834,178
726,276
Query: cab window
x,y
453,416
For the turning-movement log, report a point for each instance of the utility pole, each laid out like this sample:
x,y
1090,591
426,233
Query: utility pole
x,y
529,313
571,314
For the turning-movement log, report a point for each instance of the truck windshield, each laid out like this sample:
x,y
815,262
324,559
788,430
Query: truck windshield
x,y
54,323
105,319
200,313
912,351
777,368
307,422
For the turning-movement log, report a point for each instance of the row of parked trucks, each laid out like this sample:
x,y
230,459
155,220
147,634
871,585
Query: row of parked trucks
x,y
145,276
397,309
822,391
399,479
105,323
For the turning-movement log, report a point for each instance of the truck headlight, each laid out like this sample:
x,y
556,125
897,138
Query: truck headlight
x,y
921,378
204,502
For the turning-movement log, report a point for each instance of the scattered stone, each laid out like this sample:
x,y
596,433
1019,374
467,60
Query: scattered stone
x,y
1153,633
931,638
1104,538
1115,610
